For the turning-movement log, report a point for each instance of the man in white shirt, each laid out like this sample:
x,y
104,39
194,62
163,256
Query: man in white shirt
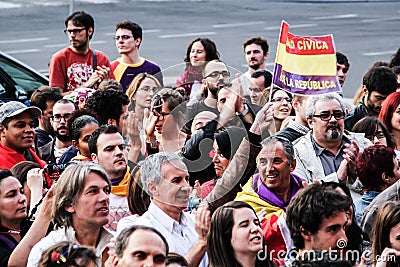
x,y
80,209
140,246
108,149
166,178
256,53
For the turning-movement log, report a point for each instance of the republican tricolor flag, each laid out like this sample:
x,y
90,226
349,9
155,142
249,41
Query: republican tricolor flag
x,y
305,64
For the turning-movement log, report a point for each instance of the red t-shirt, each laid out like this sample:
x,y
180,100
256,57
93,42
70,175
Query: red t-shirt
x,y
69,70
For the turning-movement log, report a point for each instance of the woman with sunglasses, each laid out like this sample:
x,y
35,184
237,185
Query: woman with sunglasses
x,y
199,52
164,123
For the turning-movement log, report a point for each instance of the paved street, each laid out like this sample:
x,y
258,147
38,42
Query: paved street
x,y
364,31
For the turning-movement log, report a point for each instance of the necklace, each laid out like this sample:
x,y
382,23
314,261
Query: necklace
x,y
11,231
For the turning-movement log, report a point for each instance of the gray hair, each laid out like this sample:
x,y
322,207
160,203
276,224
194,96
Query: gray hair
x,y
310,106
287,145
69,187
150,168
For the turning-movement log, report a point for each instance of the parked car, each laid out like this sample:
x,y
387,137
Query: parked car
x,y
18,80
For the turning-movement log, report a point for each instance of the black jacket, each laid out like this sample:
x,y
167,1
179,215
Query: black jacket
x,y
359,112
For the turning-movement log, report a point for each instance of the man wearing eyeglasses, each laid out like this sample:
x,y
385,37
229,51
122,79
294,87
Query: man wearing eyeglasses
x,y
128,38
216,75
52,151
78,65
327,152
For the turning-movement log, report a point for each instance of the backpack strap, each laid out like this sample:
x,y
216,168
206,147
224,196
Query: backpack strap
x,y
94,60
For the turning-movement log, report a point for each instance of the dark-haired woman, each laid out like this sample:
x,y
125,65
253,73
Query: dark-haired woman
x,y
80,126
199,51
236,238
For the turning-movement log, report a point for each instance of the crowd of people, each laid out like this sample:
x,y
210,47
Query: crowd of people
x,y
108,167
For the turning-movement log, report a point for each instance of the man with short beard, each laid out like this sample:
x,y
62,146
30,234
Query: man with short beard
x,y
256,53
327,152
79,65
216,75
52,151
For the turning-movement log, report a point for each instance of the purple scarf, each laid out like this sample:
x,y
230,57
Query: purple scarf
x,y
269,196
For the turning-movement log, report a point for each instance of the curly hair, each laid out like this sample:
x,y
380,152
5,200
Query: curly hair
x,y
209,46
107,104
380,79
372,163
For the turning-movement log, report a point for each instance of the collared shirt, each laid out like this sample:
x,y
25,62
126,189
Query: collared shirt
x,y
66,234
180,235
298,127
330,162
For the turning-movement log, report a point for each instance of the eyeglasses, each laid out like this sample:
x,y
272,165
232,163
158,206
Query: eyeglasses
x,y
123,37
216,74
74,31
339,115
281,99
160,116
378,135
58,117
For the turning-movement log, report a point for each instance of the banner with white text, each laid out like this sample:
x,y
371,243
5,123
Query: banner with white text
x,y
305,64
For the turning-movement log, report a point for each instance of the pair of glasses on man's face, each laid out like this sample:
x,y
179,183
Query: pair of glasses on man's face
x,y
216,74
326,116
74,31
59,117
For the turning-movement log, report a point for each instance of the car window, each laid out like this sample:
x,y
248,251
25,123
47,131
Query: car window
x,y
24,78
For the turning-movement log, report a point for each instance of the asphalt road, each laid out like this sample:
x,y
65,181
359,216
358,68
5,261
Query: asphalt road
x,y
364,31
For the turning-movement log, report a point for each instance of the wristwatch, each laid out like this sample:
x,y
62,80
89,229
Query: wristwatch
x,y
245,110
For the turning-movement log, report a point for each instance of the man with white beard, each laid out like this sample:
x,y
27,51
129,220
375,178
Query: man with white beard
x,y
328,152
